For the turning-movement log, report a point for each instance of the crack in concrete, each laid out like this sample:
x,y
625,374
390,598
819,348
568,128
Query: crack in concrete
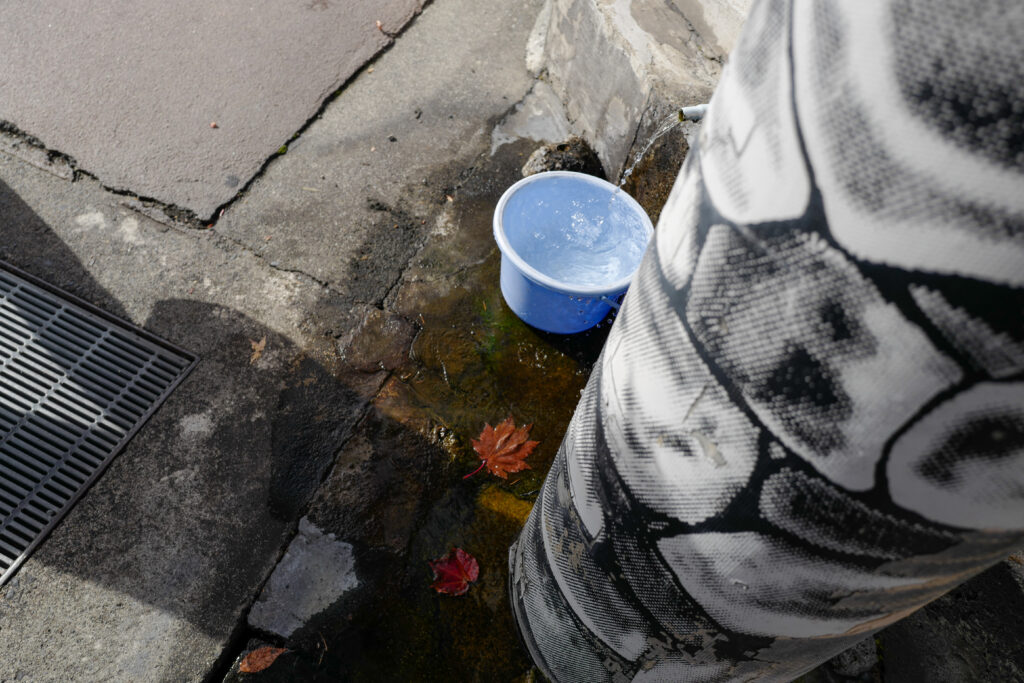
x,y
695,36
379,303
184,215
181,215
327,101
10,130
636,136
243,630
271,264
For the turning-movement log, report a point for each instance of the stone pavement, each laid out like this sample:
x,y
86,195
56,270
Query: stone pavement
x,y
131,90
151,574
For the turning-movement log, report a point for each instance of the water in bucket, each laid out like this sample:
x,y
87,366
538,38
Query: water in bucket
x,y
575,231
570,244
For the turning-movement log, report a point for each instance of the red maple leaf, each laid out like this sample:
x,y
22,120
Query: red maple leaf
x,y
454,572
260,658
503,448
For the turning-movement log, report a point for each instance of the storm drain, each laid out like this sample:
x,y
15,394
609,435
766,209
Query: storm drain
x,y
75,386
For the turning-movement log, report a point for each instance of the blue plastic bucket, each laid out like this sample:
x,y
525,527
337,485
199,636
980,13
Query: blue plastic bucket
x,y
570,244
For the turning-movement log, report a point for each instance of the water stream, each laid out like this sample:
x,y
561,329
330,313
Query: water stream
x,y
669,123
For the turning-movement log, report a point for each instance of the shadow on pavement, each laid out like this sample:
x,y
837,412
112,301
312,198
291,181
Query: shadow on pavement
x,y
191,516
172,544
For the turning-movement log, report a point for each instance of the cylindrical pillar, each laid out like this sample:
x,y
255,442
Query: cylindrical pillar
x,y
808,420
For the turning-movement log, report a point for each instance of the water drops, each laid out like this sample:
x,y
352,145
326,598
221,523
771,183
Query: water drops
x,y
663,128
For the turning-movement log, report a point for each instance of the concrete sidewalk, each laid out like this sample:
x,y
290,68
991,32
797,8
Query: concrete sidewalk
x,y
181,102
362,255
151,574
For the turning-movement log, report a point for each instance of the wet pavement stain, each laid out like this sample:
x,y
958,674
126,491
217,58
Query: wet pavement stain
x,y
397,490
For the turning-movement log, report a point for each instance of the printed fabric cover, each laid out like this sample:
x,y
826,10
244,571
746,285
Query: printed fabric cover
x,y
808,420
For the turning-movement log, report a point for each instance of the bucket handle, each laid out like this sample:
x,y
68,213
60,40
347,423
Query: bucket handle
x,y
610,302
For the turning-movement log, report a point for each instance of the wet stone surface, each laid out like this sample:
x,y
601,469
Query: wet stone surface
x,y
656,163
572,155
379,342
970,634
458,358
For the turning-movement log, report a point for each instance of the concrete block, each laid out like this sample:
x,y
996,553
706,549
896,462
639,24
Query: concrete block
x,y
614,62
315,571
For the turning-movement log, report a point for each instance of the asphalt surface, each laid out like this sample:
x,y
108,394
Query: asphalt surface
x,y
131,90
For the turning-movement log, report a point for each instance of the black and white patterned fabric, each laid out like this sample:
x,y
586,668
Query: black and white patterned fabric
x,y
808,420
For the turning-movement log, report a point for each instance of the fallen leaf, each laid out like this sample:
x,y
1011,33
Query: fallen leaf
x,y
454,572
503,448
257,349
260,658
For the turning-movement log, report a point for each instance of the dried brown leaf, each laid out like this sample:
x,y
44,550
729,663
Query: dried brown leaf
x,y
260,658
257,349
504,448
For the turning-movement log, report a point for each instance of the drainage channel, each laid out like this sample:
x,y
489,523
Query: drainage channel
x,y
76,384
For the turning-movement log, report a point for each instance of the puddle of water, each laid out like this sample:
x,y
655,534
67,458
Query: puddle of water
x,y
472,361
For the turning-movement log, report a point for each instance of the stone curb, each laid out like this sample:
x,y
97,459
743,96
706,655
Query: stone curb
x,y
621,66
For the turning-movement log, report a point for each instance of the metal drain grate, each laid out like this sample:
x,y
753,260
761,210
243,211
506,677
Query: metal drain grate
x,y
75,385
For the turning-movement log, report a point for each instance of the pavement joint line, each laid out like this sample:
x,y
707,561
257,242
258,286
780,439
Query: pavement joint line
x,y
367,67
400,277
183,215
270,264
12,131
173,212
426,238
133,205
132,201
471,171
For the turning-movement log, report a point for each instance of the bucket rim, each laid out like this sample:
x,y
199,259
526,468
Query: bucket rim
x,y
613,288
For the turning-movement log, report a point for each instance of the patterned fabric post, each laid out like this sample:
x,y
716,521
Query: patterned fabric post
x,y
808,420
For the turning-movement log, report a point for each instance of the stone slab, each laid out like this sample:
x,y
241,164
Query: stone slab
x,y
316,570
620,66
129,89
390,150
